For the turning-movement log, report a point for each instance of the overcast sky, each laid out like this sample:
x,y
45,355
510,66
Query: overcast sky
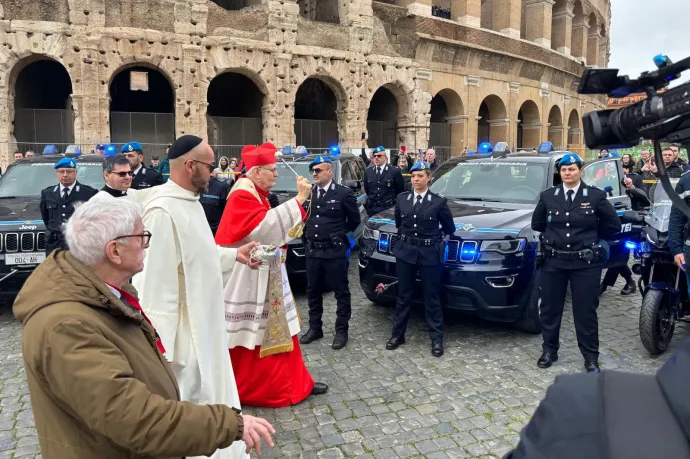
x,y
641,29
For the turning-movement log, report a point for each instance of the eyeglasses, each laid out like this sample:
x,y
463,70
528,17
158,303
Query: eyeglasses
x,y
211,167
123,174
145,237
379,155
317,171
66,171
273,170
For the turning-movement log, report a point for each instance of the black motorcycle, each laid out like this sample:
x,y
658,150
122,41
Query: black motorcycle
x,y
662,284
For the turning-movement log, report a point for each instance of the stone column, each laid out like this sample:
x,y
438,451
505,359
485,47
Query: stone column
x,y
90,99
417,7
358,16
458,133
279,114
506,17
498,131
574,138
282,22
556,136
531,135
562,33
593,48
579,41
467,12
189,110
538,21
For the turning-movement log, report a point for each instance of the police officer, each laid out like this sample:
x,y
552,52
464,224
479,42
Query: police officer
x,y
143,176
422,218
678,231
573,218
382,183
214,200
57,202
333,213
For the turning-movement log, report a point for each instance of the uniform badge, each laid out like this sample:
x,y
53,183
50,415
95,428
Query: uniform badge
x,y
584,192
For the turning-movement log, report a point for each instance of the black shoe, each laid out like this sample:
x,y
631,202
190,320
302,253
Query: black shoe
x,y
437,349
340,340
547,359
592,366
629,288
394,342
319,388
310,336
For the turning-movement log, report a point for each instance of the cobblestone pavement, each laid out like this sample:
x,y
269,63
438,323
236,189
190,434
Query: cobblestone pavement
x,y
470,403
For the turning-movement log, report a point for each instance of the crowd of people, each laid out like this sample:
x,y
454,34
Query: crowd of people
x,y
157,313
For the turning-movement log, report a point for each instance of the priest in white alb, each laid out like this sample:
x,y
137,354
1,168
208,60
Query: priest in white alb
x,y
181,286
262,316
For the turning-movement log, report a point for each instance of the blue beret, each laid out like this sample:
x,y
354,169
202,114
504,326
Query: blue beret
x,y
570,158
378,149
319,160
419,166
66,163
131,146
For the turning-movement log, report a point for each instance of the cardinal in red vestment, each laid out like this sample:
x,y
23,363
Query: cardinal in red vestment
x,y
260,311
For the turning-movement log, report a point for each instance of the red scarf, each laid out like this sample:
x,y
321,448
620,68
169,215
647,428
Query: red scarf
x,y
132,301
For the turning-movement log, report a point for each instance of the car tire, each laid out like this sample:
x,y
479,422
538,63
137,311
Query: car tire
x,y
529,318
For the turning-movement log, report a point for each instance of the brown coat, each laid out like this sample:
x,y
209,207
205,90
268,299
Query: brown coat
x,y
99,386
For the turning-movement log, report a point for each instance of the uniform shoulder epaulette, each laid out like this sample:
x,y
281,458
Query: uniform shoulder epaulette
x,y
436,194
48,188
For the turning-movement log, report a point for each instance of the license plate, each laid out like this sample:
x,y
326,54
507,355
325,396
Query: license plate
x,y
26,258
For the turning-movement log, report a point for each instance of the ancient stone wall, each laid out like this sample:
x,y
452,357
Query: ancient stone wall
x,y
394,45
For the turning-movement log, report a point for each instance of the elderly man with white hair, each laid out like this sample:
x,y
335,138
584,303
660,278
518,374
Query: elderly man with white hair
x,y
99,382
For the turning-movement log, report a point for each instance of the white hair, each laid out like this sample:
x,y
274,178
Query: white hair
x,y
97,222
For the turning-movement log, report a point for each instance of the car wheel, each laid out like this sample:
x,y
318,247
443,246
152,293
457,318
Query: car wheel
x,y
529,319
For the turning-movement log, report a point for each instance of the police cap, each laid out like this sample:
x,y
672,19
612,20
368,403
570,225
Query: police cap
x,y
570,158
67,163
131,146
419,166
319,160
378,149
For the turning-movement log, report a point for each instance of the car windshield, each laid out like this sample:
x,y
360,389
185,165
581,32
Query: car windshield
x,y
487,180
286,178
28,179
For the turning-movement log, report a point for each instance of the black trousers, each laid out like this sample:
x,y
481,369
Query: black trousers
x,y
431,283
584,286
335,269
612,274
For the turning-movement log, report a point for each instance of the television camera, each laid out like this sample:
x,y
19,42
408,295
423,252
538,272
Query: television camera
x,y
662,117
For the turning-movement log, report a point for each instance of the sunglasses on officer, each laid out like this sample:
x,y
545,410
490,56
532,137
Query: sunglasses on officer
x,y
123,174
317,170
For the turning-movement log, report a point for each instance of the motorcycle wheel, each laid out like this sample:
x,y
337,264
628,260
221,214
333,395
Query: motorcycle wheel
x,y
656,321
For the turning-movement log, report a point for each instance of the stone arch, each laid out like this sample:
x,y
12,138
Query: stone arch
x,y
574,130
593,40
447,122
40,90
529,125
236,100
388,109
319,125
555,124
493,120
560,25
579,36
232,5
320,10
147,117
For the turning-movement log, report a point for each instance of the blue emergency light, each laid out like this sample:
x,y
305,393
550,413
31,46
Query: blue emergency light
x,y
468,251
384,242
334,150
110,150
287,150
545,147
632,245
485,147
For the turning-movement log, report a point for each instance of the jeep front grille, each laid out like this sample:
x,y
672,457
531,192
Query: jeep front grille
x,y
41,241
12,242
27,242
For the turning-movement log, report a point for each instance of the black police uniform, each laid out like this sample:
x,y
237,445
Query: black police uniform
x,y
382,188
146,178
55,211
571,234
213,202
678,239
420,247
334,213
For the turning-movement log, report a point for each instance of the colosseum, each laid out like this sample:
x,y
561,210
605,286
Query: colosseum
x,y
443,73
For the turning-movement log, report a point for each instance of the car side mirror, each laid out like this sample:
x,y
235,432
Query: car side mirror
x,y
354,185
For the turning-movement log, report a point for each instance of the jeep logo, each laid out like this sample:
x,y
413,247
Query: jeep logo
x,y
28,227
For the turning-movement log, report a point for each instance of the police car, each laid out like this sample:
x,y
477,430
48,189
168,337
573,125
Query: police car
x,y
348,170
22,232
490,262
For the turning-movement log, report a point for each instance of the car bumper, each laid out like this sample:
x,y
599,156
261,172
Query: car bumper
x,y
12,279
492,293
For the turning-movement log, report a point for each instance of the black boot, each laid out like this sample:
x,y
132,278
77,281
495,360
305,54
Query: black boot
x,y
629,288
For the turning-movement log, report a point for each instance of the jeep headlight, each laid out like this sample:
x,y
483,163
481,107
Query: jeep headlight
x,y
504,246
369,233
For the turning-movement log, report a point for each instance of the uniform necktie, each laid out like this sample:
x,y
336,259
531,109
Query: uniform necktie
x,y
321,193
65,193
378,173
570,196
418,204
